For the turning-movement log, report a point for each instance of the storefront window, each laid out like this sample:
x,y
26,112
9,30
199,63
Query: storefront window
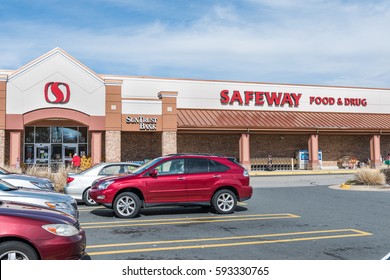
x,y
42,134
56,134
83,134
70,134
56,152
29,154
83,150
29,134
54,145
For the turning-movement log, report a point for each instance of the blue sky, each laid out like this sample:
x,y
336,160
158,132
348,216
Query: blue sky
x,y
324,42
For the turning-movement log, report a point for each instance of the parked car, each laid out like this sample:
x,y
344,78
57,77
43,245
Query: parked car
x,y
53,200
30,232
176,180
78,184
26,181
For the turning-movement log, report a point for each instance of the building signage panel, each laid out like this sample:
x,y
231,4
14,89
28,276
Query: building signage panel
x,y
225,95
284,99
143,123
55,81
57,93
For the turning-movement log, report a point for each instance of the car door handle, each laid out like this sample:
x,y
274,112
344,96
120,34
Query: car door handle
x,y
216,176
181,178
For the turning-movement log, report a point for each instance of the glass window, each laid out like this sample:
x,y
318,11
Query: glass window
x,y
42,155
56,152
83,150
29,154
215,166
110,170
42,134
56,134
130,168
197,165
83,135
29,134
69,151
175,166
70,134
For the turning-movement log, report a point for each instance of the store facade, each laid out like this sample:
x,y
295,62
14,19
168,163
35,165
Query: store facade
x,y
55,106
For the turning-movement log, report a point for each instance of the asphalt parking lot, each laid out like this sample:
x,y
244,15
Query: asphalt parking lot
x,y
288,218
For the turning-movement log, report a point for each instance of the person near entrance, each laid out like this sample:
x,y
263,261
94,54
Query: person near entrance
x,y
76,161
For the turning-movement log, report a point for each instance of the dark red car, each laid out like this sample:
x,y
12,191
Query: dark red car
x,y
29,232
176,180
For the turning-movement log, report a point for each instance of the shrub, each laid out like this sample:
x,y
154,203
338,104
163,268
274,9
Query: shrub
x,y
367,176
86,162
387,174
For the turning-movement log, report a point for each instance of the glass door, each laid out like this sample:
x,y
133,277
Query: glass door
x,y
68,150
42,154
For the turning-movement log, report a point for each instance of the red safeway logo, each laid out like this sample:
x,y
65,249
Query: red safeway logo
x,y
57,93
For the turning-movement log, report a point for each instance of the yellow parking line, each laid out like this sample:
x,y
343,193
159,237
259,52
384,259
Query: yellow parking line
x,y
195,220
339,233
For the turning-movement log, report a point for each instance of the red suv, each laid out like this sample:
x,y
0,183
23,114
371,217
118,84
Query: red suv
x,y
179,179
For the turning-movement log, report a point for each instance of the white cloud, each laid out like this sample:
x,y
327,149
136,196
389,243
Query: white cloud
x,y
325,42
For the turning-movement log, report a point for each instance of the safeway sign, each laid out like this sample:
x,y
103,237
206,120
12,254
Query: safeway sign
x,y
57,93
285,99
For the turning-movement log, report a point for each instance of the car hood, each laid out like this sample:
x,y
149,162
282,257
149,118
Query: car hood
x,y
33,211
113,177
40,194
24,177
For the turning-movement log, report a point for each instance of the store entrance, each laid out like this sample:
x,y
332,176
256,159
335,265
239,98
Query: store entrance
x,y
68,151
54,146
42,153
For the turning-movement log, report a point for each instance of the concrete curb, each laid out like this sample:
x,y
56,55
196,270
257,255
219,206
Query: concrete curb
x,y
302,172
345,187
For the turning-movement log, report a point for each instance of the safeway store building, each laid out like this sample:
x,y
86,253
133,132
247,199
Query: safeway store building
x,y
55,106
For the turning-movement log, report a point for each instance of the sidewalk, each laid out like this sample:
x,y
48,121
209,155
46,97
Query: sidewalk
x,y
302,172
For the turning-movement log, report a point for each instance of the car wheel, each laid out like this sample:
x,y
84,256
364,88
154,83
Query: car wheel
x,y
88,200
127,205
15,250
224,201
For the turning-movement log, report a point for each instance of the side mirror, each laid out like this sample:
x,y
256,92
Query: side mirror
x,y
153,173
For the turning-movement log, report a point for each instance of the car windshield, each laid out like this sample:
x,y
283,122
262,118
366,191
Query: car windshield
x,y
4,186
142,168
3,171
91,168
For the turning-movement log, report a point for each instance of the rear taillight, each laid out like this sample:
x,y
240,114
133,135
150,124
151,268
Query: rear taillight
x,y
245,173
69,179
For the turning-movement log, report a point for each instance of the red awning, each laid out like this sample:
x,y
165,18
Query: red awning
x,y
274,120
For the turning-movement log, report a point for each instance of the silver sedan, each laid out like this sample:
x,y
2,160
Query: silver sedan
x,y
26,181
78,184
52,200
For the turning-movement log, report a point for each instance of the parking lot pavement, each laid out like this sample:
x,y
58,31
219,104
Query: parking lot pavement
x,y
135,241
288,218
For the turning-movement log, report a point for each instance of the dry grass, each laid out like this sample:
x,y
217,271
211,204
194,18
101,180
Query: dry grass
x,y
58,178
370,177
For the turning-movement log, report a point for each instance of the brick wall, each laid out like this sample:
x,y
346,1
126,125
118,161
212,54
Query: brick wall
x,y
277,145
385,145
334,147
220,144
140,146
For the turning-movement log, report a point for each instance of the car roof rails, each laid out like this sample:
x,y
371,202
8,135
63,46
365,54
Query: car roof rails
x,y
198,154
